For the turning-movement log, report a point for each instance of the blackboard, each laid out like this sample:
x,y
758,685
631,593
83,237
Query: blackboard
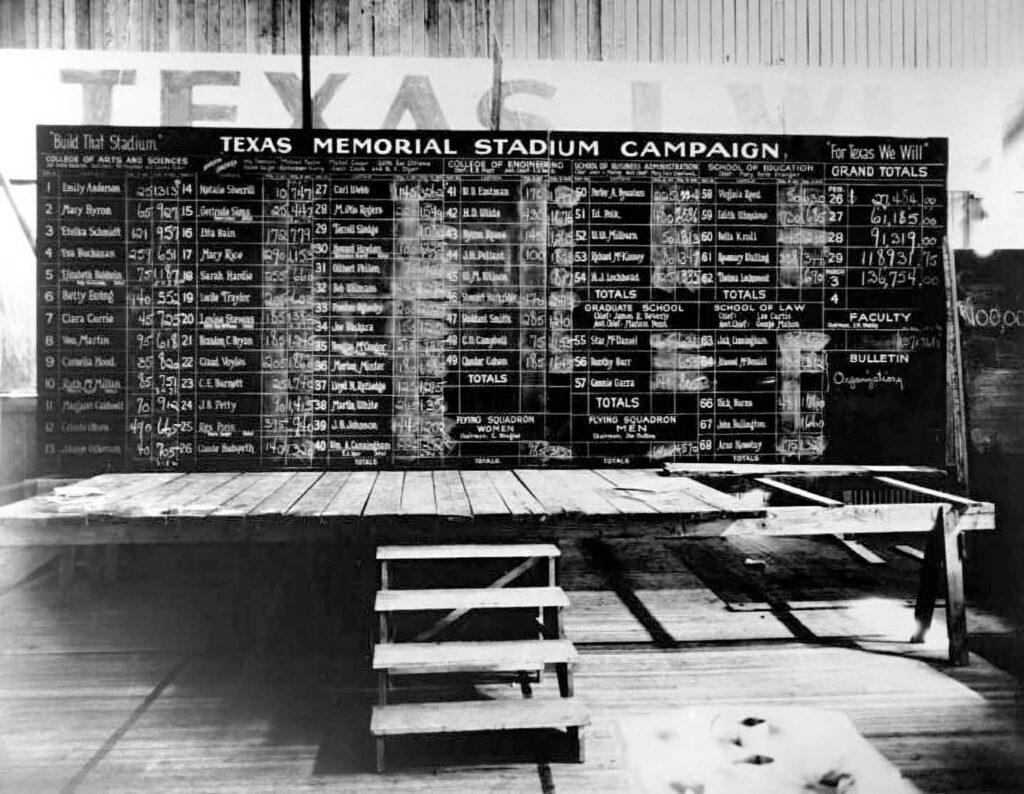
x,y
990,304
265,299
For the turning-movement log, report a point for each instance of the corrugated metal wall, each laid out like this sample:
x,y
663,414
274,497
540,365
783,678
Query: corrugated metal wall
x,y
872,33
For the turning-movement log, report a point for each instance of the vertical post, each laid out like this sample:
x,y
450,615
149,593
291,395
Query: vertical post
x,y
956,606
304,54
363,599
565,685
576,744
382,675
955,404
497,36
928,581
384,633
943,550
552,581
966,197
552,623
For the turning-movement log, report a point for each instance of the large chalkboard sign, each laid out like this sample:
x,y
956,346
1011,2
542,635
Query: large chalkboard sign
x,y
224,298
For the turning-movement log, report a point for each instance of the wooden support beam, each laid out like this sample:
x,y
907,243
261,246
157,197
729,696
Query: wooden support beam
x,y
803,494
860,551
384,632
927,587
956,604
565,684
943,551
848,519
909,551
554,628
576,750
456,614
955,403
468,551
705,493
815,469
940,495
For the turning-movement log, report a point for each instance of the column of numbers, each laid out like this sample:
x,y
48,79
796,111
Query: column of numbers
x,y
49,322
174,319
142,321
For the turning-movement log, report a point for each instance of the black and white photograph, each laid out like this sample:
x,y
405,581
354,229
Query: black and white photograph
x,y
534,396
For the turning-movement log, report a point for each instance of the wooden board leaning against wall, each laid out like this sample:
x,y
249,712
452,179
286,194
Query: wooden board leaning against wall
x,y
990,305
991,315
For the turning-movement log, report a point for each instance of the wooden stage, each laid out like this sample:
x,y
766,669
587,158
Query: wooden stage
x,y
368,507
290,507
151,683
224,648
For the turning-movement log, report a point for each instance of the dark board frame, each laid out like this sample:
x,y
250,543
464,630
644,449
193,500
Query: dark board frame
x,y
990,308
742,298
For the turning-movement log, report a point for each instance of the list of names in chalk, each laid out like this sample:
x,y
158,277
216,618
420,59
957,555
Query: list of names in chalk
x,y
267,299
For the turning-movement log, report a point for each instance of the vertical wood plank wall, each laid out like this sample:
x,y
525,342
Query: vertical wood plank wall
x,y
931,34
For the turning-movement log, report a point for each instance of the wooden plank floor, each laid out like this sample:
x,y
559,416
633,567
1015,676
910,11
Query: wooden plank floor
x,y
232,673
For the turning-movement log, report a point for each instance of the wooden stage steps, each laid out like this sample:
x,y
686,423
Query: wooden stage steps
x,y
470,551
490,656
455,657
470,598
477,715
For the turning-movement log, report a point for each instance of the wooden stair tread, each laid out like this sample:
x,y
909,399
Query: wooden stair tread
x,y
469,598
472,656
477,715
465,551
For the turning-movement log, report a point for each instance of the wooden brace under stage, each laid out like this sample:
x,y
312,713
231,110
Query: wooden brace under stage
x,y
943,552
